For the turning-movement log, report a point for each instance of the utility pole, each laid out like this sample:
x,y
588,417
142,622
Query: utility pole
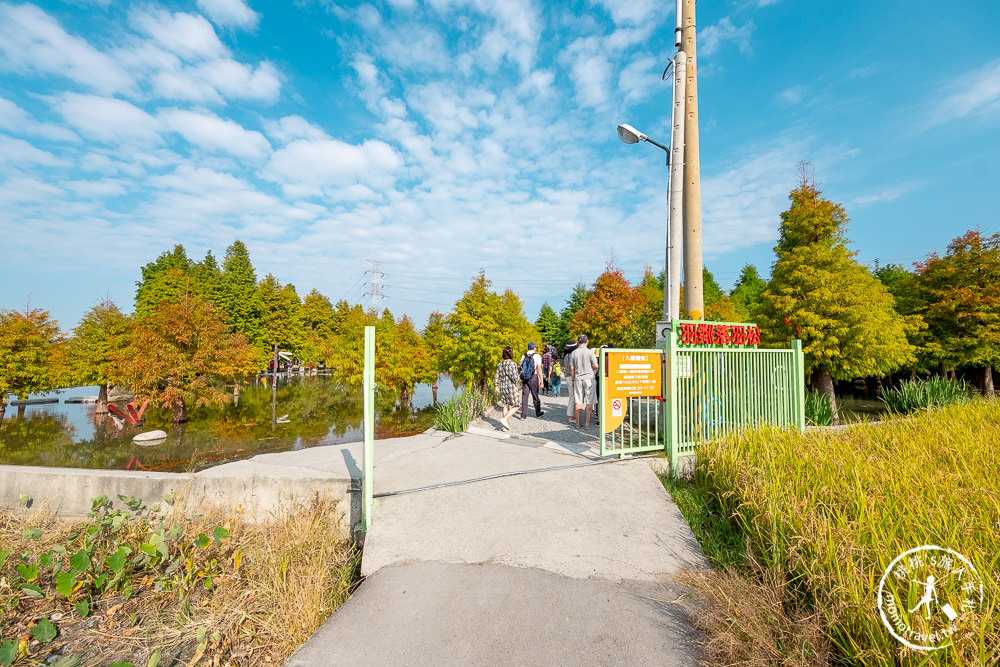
x,y
694,299
671,310
375,286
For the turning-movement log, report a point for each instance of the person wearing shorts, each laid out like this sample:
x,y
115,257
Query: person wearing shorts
x,y
582,365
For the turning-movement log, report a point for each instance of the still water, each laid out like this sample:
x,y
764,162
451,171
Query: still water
x,y
316,412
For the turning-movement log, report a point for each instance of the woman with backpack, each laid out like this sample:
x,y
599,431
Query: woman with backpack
x,y
556,371
507,381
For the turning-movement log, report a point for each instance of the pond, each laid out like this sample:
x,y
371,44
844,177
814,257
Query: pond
x,y
309,412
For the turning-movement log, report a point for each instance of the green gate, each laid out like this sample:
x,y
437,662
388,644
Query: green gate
x,y
706,393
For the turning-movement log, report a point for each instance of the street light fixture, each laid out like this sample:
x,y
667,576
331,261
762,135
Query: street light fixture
x,y
630,135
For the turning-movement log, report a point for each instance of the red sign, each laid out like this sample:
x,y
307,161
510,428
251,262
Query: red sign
x,y
725,334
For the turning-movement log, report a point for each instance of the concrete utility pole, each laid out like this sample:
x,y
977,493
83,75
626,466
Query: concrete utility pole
x,y
694,299
676,226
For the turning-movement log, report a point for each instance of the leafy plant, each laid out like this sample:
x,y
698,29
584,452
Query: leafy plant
x,y
819,412
925,394
456,414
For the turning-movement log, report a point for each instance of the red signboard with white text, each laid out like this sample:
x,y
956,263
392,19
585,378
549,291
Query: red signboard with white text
x,y
692,333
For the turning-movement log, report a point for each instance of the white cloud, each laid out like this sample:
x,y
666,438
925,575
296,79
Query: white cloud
x,y
19,153
792,95
891,193
634,12
212,133
189,36
715,36
97,189
108,119
230,13
290,128
32,41
978,94
308,166
640,78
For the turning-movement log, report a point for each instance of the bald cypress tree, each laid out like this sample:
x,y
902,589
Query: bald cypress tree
x,y
239,294
818,293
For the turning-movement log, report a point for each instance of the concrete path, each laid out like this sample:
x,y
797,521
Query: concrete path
x,y
571,565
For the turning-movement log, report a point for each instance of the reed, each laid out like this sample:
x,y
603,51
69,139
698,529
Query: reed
x,y
913,395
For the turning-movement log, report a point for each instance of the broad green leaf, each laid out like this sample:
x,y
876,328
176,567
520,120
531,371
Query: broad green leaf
x,y
80,561
220,534
32,533
24,499
116,561
32,590
82,608
28,572
45,560
64,584
3,556
69,661
8,651
43,631
154,660
202,540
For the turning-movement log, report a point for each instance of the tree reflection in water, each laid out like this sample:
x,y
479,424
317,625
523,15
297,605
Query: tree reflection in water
x,y
319,413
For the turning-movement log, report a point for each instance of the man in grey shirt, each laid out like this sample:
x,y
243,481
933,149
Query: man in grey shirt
x,y
582,365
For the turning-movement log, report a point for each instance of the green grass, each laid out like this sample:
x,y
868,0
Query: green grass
x,y
832,510
913,395
718,537
819,412
456,414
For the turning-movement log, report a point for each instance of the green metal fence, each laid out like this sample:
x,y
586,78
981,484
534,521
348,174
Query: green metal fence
x,y
714,392
707,392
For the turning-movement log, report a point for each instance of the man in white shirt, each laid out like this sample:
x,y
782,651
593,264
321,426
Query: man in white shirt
x,y
582,365
531,385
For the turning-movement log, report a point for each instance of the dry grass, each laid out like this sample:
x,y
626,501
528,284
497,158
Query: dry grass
x,y
273,583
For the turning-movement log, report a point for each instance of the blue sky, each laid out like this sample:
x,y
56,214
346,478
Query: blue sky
x,y
446,136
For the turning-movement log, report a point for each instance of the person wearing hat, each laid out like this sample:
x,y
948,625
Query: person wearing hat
x,y
530,384
582,365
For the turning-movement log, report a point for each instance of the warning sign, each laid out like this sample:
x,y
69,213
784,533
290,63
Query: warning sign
x,y
633,374
617,407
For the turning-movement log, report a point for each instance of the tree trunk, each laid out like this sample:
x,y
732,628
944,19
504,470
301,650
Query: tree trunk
x,y
434,391
3,405
404,396
878,386
179,411
824,384
988,390
101,408
20,410
236,394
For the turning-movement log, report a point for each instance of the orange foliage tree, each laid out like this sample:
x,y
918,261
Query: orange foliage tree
x,y
182,353
612,312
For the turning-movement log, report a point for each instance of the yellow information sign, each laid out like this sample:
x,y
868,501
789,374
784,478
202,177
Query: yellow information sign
x,y
629,374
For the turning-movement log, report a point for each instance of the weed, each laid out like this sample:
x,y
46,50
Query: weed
x,y
456,414
913,395
819,412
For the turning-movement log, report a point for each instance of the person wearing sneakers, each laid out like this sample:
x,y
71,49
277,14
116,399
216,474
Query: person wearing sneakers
x,y
568,380
531,373
507,382
582,366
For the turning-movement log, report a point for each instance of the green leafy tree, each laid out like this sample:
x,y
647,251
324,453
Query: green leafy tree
x,y
164,279
281,315
183,354
480,326
549,326
317,313
240,298
206,279
97,341
402,358
573,305
958,296
718,306
612,312
902,285
29,340
651,290
347,359
746,294
820,294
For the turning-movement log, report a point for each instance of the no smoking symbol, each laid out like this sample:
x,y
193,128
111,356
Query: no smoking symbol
x,y
616,408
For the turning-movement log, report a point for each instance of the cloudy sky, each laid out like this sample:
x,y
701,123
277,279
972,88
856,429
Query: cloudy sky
x,y
445,136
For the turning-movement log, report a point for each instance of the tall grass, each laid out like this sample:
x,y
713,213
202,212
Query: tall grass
x,y
456,414
819,411
832,510
913,395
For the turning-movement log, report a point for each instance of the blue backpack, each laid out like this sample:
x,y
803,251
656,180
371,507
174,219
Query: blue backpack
x,y
527,367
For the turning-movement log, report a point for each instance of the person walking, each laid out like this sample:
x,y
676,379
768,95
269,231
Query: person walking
x,y
507,382
568,379
546,370
531,371
556,372
582,367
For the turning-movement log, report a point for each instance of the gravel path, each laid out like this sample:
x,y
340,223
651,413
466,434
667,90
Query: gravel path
x,y
551,425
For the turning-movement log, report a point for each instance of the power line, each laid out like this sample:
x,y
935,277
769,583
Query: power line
x,y
375,289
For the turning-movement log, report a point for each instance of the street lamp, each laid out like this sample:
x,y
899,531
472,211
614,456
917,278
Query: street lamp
x,y
671,282
630,135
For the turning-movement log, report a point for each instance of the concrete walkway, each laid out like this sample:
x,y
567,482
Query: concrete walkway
x,y
567,566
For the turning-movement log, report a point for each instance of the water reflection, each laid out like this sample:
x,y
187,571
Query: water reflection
x,y
319,413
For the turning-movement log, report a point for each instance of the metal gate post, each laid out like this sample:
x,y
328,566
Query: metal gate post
x,y
799,378
368,455
671,428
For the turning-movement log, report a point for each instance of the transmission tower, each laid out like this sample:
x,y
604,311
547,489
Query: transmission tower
x,y
375,286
